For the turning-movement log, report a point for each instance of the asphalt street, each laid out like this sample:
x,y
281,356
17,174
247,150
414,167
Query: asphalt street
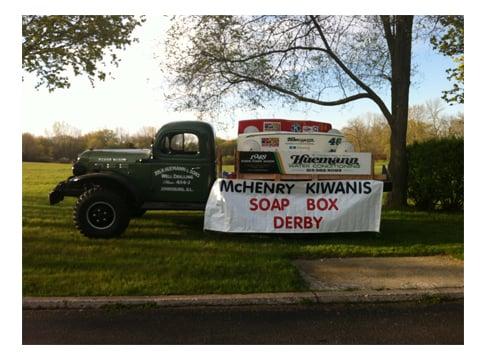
x,y
387,323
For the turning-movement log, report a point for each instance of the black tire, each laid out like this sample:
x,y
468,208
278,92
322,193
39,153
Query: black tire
x,y
137,212
101,213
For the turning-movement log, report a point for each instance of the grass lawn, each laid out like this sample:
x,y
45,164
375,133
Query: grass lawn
x,y
167,252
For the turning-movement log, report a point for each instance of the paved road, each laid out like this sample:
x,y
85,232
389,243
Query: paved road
x,y
400,323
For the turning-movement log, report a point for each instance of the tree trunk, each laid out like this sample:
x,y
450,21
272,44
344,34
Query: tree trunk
x,y
401,63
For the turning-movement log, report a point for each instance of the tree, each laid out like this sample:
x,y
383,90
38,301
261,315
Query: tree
x,y
144,137
66,141
450,43
216,62
55,46
100,139
30,147
369,133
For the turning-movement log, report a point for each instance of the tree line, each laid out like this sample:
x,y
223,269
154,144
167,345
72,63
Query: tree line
x,y
367,133
370,133
64,142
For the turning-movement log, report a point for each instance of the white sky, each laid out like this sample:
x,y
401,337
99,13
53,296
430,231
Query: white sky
x,y
134,97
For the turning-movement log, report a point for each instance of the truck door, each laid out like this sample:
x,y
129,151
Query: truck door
x,y
180,168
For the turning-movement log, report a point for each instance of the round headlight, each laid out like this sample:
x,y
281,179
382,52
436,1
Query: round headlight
x,y
78,169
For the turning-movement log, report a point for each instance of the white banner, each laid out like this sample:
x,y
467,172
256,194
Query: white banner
x,y
255,206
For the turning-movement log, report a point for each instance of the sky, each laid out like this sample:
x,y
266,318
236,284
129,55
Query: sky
x,y
133,98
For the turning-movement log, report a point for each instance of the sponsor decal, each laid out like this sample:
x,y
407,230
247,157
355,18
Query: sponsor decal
x,y
307,128
270,142
258,162
296,127
272,126
303,140
307,159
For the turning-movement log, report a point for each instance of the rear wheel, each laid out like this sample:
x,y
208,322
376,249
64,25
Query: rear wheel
x,y
101,213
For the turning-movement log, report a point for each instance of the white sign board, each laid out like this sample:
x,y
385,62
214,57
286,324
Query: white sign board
x,y
299,162
255,206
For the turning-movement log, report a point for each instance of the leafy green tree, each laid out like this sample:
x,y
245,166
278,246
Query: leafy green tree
x,y
218,62
449,42
54,47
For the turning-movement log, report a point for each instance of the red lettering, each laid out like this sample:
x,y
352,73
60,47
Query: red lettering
x,y
253,204
288,222
297,222
277,222
324,206
307,222
310,204
276,205
333,204
264,204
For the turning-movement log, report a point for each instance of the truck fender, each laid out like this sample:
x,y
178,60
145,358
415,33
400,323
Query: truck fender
x,y
108,179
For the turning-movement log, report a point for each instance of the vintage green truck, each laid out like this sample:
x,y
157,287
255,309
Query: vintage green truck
x,y
113,186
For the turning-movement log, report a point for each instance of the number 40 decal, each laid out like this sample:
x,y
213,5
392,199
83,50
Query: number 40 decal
x,y
335,141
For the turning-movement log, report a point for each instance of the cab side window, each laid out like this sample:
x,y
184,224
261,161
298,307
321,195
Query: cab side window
x,y
180,144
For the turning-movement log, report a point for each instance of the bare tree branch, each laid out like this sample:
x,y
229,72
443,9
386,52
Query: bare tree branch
x,y
299,97
361,84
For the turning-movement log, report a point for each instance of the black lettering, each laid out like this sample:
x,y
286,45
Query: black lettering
x,y
367,188
226,186
310,188
289,187
327,187
340,188
250,186
269,187
280,188
351,187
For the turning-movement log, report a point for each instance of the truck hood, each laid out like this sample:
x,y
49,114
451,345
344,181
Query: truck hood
x,y
114,155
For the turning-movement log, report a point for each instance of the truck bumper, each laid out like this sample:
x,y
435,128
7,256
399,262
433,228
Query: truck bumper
x,y
64,188
55,196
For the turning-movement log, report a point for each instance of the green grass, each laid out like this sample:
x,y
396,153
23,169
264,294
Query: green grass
x,y
167,252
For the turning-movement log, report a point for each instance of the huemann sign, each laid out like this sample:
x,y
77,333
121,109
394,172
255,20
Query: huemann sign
x,y
299,162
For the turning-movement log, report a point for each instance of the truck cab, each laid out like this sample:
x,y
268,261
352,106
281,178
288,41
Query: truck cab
x,y
177,173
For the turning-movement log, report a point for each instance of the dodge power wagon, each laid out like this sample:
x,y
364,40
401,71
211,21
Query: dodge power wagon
x,y
114,185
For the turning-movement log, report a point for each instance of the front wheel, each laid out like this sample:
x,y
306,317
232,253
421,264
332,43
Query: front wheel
x,y
101,213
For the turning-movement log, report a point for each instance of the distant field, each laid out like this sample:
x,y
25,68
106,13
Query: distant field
x,y
168,252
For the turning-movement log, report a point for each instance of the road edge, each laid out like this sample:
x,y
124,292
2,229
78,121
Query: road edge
x,y
311,297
